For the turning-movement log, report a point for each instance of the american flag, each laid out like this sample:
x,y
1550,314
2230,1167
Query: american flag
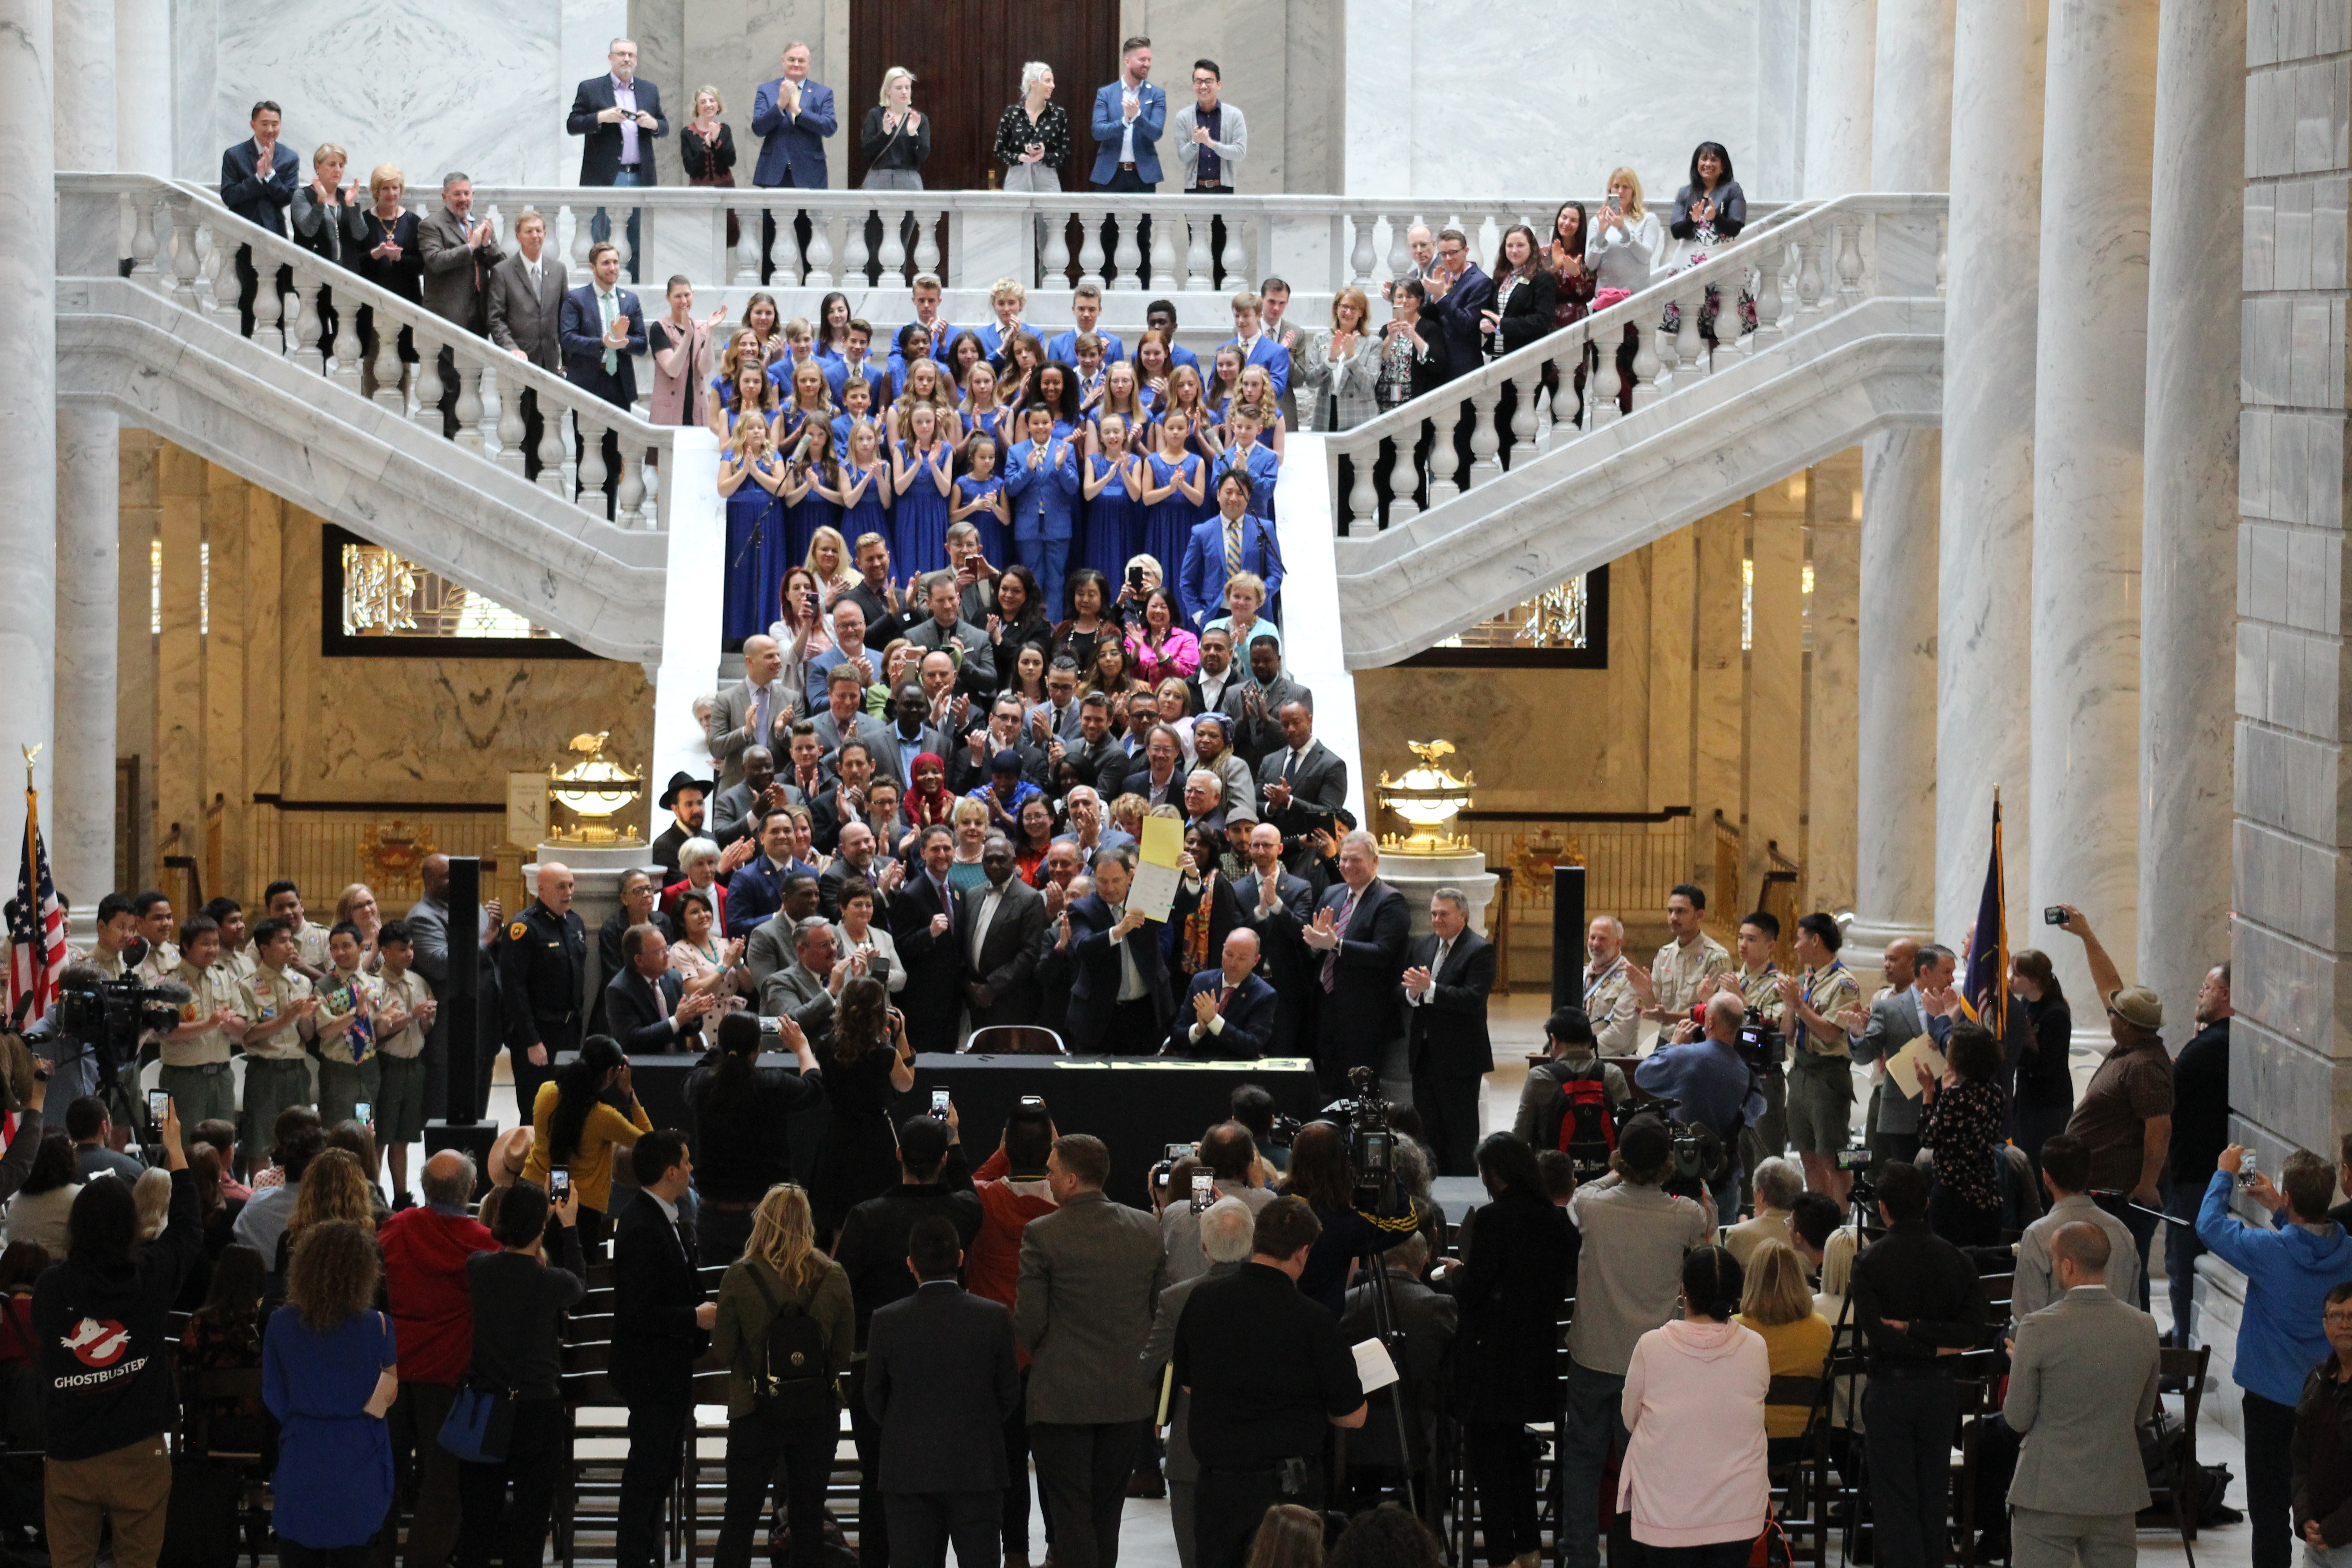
x,y
36,927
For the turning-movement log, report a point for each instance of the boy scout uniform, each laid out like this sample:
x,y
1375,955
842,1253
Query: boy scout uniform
x,y
1679,975
162,964
400,1061
196,1071
278,1064
1768,1136
1614,1011
1821,1065
347,1059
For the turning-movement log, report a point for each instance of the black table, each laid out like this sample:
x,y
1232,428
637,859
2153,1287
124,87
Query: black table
x,y
1135,1105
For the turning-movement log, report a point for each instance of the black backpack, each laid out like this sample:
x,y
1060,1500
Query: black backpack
x,y
793,1377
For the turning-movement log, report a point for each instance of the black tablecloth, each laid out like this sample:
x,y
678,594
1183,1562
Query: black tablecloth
x,y
1135,1106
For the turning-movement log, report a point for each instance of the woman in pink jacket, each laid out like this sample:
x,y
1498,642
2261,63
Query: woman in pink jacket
x,y
1694,1471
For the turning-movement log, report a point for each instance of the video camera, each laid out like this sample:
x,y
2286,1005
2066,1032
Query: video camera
x,y
110,1018
1863,1194
1761,1043
1699,1158
1371,1142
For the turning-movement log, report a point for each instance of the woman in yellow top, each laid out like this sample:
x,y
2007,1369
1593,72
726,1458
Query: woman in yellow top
x,y
572,1126
1777,1304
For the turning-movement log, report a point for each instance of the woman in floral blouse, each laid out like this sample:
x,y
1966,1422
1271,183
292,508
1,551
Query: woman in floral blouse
x,y
1032,136
1961,1125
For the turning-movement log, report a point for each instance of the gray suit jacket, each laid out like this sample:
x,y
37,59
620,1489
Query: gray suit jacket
x,y
770,950
457,275
2036,1283
1090,1274
976,673
521,320
1894,1023
2081,1380
1159,1349
730,729
796,993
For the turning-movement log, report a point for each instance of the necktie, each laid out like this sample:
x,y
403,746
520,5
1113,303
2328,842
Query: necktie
x,y
685,1242
1339,928
758,708
947,903
1290,768
661,1000
607,307
1233,546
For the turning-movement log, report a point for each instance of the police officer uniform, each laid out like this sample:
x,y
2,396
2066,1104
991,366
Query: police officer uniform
x,y
278,1064
543,969
196,1072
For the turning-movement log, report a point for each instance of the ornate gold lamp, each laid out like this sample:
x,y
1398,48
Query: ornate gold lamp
x,y
1429,797
592,789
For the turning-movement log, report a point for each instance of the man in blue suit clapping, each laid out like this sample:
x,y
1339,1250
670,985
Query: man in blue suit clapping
x,y
792,116
1130,115
601,327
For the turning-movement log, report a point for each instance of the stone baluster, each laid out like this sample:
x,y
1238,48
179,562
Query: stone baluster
x,y
1645,364
269,308
554,451
629,498
474,430
1849,262
1768,297
1810,271
1443,487
747,246
1200,267
510,455
1604,382
1055,262
1361,257
1669,350
1486,445
820,248
1126,256
1235,257
891,256
1363,500
927,241
302,328
221,284
1563,370
580,240
426,414
387,364
787,255
147,242
1523,417
591,493
1400,253
1090,248
1163,255
1690,346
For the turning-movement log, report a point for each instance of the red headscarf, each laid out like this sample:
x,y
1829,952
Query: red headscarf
x,y
926,808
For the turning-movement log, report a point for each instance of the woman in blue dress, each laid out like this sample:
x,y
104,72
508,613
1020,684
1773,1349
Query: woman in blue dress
x,y
1057,388
738,394
1171,492
1112,483
328,1374
920,469
980,496
751,478
866,485
812,490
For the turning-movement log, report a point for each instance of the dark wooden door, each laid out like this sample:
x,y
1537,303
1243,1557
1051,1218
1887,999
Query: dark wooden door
x,y
967,56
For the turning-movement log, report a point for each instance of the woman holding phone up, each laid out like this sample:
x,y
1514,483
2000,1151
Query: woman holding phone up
x,y
872,1061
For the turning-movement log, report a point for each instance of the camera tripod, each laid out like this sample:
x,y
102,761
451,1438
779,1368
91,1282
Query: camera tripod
x,y
1389,1332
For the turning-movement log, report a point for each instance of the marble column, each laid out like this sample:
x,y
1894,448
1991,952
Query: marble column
x,y
2097,141
1837,97
1911,96
90,521
142,92
1834,679
28,347
1894,862
2188,536
1984,573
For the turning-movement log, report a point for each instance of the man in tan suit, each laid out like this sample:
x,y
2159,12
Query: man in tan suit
x,y
525,295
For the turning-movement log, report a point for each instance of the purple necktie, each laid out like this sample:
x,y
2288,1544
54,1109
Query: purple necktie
x,y
1339,928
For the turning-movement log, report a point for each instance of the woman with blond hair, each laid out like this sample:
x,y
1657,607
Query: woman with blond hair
x,y
787,1414
1341,364
388,257
1620,255
328,1374
897,137
334,1186
1777,1304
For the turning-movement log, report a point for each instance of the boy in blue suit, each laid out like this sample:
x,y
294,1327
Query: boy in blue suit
x,y
1086,310
1200,585
1041,476
1242,455
1256,344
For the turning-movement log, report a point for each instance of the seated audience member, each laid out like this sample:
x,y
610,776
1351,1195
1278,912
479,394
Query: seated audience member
x,y
92,1130
1777,1184
1777,1303
225,1335
38,1212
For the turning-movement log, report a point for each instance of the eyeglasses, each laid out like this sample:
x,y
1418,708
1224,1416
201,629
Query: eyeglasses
x,y
2336,1320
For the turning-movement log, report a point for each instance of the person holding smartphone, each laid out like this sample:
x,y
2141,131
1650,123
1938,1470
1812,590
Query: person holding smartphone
x,y
872,1061
1032,135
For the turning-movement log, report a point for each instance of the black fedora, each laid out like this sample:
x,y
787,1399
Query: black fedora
x,y
679,780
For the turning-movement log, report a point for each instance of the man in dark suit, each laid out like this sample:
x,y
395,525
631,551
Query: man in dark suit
x,y
874,594
525,297
1229,1013
601,326
739,810
1459,295
660,1323
910,733
1302,786
620,117
460,253
258,182
1448,977
683,799
1357,946
643,1008
1000,982
1253,698
1277,905
1119,1003
940,1382
757,891
542,972
929,922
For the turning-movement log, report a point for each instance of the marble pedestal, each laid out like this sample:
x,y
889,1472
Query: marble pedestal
x,y
1418,875
596,872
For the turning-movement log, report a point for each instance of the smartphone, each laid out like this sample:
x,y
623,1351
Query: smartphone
x,y
1205,1190
2247,1170
2053,915
1178,1152
159,1106
363,1113
1135,579
1033,1102
940,1103
559,1184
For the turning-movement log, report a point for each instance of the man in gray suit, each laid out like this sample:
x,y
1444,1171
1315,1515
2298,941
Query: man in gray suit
x,y
945,630
2082,1379
771,947
1090,1272
524,298
806,989
757,711
1913,973
1225,1228
459,254
844,718
428,937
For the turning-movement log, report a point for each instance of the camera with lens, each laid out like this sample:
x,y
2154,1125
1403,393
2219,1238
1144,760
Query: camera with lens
x,y
1863,1193
105,1018
1371,1142
1699,1156
1761,1043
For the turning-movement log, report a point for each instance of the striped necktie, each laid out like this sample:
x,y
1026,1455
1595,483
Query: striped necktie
x,y
1339,928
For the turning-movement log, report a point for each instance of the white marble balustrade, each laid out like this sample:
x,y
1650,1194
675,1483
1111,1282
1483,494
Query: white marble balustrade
x,y
183,247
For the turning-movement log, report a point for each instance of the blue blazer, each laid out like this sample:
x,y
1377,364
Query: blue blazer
x,y
1271,354
1063,347
1201,586
1044,498
994,343
1178,355
792,149
580,329
876,372
943,332
1151,120
259,201
600,153
1249,1021
1265,471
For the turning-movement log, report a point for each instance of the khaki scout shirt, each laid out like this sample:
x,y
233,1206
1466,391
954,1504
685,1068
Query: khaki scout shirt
x,y
209,990
274,994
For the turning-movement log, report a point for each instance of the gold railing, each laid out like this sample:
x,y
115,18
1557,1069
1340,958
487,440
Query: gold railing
x,y
1630,860
324,847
